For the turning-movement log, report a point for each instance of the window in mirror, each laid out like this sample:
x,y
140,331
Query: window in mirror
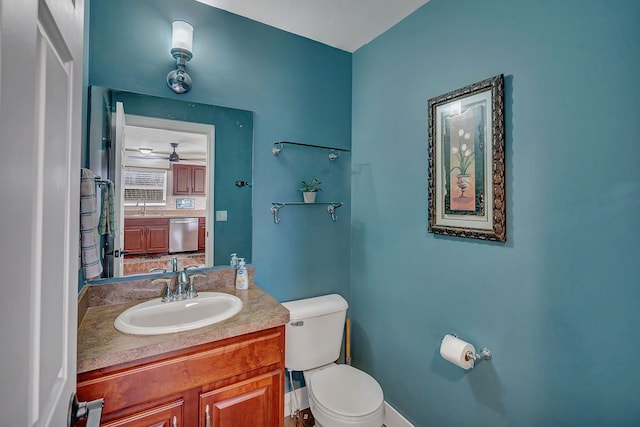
x,y
148,187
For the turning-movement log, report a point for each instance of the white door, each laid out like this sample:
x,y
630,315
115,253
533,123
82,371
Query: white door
x,y
40,131
118,239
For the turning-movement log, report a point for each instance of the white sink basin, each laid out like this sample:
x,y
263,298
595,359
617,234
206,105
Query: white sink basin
x,y
156,317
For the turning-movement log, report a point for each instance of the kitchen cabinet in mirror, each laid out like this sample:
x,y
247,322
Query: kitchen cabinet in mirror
x,y
189,180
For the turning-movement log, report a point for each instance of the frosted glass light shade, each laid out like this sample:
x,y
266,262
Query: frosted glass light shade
x,y
182,36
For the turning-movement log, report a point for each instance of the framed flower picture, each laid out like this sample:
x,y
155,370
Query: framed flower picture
x,y
466,162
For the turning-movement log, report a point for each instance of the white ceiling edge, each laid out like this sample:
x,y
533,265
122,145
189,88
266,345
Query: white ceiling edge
x,y
343,24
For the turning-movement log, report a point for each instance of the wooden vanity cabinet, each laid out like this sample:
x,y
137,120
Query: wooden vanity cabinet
x,y
146,235
229,383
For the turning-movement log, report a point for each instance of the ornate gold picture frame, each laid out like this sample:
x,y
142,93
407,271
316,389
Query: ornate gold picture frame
x,y
466,162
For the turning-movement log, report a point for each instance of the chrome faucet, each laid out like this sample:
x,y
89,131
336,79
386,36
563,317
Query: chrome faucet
x,y
181,292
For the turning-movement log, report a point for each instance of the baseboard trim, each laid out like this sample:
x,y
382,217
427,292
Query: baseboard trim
x,y
392,418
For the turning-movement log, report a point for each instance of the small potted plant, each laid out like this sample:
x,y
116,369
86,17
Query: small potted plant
x,y
309,190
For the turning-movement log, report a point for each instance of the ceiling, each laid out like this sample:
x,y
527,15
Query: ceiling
x,y
190,145
344,24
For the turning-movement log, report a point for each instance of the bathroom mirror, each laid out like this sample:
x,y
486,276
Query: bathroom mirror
x,y
180,162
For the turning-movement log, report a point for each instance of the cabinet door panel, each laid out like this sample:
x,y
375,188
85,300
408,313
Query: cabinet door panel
x,y
157,238
181,180
169,415
199,180
134,241
248,403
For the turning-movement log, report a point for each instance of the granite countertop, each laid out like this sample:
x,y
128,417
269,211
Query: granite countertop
x,y
101,345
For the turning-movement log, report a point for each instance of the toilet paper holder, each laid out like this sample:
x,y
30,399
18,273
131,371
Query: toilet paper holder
x,y
484,353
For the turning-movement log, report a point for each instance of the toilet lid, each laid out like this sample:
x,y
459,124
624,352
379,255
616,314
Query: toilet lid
x,y
347,391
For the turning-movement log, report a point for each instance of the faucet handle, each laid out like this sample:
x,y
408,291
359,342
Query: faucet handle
x,y
193,292
192,266
156,269
167,295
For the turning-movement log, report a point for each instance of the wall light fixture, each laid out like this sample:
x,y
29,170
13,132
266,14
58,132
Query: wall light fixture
x,y
182,50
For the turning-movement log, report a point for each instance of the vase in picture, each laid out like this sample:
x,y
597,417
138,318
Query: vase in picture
x,y
463,183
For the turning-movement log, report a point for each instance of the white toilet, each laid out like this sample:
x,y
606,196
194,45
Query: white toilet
x,y
339,395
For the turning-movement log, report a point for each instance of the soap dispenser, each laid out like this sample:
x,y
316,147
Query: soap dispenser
x,y
234,260
242,277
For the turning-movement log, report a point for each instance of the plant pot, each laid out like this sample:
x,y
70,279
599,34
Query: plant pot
x,y
309,196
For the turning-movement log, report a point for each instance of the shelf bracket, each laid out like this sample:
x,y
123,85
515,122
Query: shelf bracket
x,y
331,210
277,148
275,208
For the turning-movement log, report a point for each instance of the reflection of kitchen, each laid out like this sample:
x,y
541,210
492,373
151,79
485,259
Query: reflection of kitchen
x,y
164,205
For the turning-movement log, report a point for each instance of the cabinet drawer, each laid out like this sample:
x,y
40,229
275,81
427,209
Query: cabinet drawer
x,y
142,222
169,415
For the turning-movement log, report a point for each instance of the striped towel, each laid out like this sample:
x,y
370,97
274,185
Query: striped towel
x,y
89,239
107,224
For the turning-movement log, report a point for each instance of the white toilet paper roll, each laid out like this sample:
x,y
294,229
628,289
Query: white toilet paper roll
x,y
455,351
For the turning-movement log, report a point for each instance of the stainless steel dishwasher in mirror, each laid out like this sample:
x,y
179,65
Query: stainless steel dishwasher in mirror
x,y
183,235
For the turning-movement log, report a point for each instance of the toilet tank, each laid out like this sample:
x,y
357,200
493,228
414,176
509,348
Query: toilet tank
x,y
314,332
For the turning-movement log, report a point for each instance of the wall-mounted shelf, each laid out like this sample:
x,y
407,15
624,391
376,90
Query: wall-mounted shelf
x,y
334,152
331,208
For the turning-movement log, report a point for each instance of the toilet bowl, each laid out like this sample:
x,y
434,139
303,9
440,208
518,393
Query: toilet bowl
x,y
343,396
339,395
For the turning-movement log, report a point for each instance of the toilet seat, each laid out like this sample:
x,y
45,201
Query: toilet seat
x,y
346,393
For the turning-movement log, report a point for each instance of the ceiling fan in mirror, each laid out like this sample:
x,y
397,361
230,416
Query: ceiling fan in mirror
x,y
148,153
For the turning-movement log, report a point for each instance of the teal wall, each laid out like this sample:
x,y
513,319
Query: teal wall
x,y
299,90
558,303
555,304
